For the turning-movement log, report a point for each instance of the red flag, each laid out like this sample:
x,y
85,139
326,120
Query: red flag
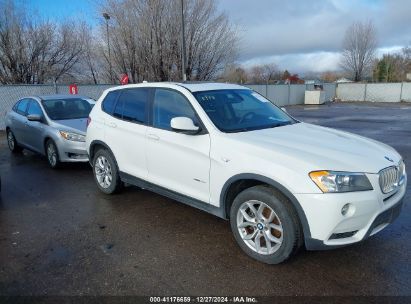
x,y
124,79
73,89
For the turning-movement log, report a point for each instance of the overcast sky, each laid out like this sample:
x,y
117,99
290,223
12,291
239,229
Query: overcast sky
x,y
303,35
299,35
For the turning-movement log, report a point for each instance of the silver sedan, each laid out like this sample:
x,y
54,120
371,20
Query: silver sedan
x,y
54,126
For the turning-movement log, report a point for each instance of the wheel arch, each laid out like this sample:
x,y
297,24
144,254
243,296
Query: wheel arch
x,y
93,148
54,137
45,140
240,182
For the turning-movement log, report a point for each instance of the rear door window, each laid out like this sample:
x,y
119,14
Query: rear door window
x,y
109,102
132,104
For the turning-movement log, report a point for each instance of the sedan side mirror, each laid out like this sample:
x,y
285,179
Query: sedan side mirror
x,y
184,125
34,117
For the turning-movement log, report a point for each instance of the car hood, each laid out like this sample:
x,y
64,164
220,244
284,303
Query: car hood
x,y
320,148
75,125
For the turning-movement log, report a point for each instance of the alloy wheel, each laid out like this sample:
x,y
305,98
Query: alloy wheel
x,y
52,154
102,170
259,227
10,140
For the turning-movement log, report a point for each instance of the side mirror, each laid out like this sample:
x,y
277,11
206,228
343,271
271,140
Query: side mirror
x,y
34,117
284,109
184,125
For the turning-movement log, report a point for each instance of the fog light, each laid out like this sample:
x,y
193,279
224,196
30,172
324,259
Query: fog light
x,y
347,210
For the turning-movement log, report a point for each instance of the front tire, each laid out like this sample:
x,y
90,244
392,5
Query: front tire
x,y
52,154
12,142
106,173
265,225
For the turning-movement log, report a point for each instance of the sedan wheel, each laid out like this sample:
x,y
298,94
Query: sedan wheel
x,y
52,154
12,143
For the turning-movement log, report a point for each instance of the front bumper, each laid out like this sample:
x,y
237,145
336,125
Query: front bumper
x,y
72,151
370,212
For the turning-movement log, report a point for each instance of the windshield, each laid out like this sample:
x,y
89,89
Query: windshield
x,y
70,108
241,110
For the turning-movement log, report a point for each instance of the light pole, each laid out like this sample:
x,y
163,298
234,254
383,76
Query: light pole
x,y
107,18
183,43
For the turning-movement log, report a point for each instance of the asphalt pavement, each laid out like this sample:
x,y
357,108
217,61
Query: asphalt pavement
x,y
60,236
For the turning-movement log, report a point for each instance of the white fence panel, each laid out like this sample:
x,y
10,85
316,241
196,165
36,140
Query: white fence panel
x,y
383,92
260,88
278,94
351,91
330,91
297,94
406,92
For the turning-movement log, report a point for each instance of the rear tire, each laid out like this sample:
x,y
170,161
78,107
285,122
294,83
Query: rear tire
x,y
106,173
265,225
52,154
12,142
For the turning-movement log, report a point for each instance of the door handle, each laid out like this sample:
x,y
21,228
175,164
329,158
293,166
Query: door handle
x,y
153,136
112,124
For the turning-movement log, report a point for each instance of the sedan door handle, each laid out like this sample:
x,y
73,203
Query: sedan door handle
x,y
153,137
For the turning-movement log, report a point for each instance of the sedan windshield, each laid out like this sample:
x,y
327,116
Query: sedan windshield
x,y
241,110
69,108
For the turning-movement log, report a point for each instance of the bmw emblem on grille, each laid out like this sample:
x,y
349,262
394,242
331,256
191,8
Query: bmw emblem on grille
x,y
389,159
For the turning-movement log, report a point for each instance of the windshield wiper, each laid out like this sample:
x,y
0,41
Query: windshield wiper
x,y
278,124
238,130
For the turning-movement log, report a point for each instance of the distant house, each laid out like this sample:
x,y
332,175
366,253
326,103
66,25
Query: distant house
x,y
294,79
408,76
313,81
343,80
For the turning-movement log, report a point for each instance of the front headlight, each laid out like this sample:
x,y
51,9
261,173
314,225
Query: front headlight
x,y
402,173
333,181
72,136
402,168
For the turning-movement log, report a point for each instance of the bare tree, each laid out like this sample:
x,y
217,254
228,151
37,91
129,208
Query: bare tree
x,y
359,46
146,39
234,73
393,67
406,65
34,51
211,40
263,74
90,58
256,74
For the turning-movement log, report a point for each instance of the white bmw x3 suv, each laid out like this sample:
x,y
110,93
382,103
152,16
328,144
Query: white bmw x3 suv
x,y
229,151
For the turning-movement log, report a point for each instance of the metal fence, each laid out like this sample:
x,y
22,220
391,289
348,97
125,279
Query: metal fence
x,y
375,92
291,94
281,94
9,94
